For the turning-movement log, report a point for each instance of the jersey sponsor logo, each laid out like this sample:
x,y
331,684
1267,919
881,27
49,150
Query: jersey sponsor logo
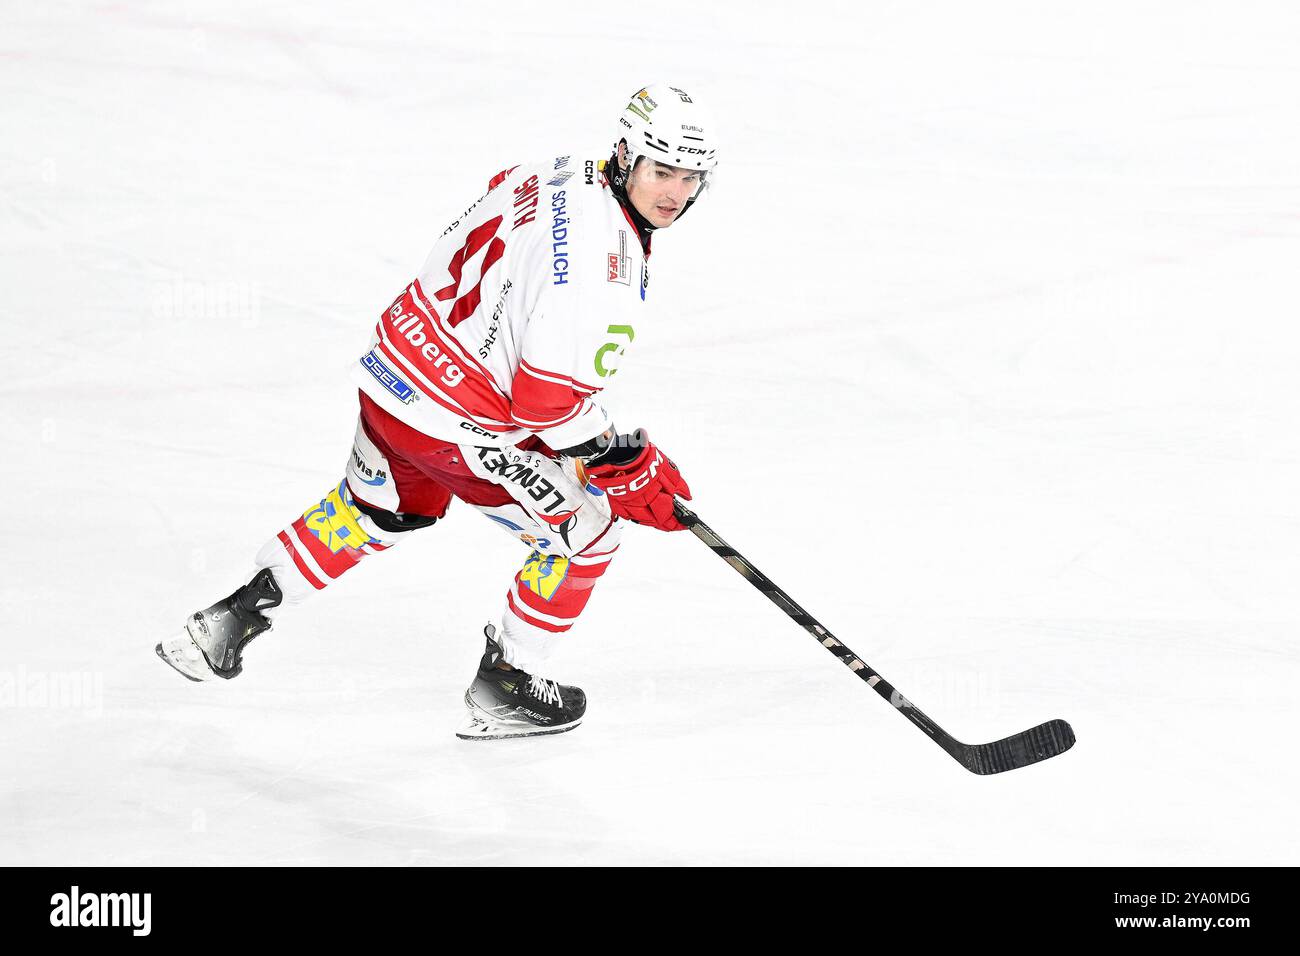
x,y
386,377
559,238
681,94
369,476
561,162
559,520
609,354
552,503
471,427
559,179
645,278
410,326
589,172
618,269
543,574
526,194
564,527
494,326
531,540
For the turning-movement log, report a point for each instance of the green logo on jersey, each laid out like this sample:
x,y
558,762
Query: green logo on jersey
x,y
603,354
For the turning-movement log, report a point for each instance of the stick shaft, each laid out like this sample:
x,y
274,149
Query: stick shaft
x,y
763,583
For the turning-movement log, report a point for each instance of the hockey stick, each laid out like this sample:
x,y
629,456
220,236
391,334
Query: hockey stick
x,y
1019,750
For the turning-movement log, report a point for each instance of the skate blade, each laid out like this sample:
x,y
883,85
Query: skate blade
x,y
478,728
183,655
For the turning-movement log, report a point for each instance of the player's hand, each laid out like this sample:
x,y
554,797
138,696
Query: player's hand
x,y
642,489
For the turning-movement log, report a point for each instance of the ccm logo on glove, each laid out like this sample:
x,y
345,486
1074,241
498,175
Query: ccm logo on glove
x,y
642,490
640,481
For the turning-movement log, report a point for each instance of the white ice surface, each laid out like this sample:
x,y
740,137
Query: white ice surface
x,y
985,348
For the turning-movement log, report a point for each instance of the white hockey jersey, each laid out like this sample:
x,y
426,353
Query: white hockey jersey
x,y
519,316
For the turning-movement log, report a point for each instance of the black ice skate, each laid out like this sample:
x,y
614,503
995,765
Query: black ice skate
x,y
512,703
213,640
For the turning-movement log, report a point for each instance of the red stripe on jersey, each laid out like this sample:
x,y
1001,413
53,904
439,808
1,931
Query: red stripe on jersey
x,y
535,622
299,563
542,424
429,392
416,337
537,403
487,424
423,300
500,177
543,374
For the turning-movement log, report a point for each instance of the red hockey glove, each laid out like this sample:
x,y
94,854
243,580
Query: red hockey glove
x,y
642,489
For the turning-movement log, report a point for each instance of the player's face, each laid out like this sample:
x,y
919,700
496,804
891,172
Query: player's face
x,y
659,192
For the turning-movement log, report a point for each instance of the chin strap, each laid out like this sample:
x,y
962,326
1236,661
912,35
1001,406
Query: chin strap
x,y
618,186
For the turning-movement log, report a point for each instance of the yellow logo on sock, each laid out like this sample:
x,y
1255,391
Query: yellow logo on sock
x,y
335,521
543,573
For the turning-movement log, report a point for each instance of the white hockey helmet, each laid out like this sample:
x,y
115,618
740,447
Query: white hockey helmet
x,y
665,125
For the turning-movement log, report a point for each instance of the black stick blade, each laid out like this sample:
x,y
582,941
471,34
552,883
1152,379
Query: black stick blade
x,y
1019,750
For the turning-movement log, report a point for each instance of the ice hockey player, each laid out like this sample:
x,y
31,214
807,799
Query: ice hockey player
x,y
481,382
